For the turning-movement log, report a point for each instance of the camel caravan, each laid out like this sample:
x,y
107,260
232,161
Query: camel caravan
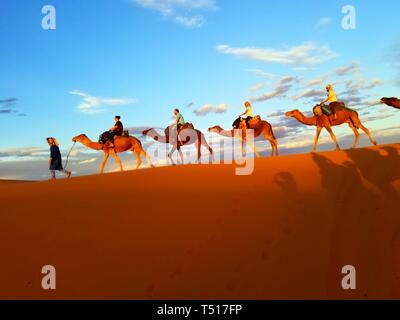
x,y
244,129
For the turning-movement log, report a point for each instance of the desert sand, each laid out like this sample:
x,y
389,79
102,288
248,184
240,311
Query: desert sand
x,y
200,232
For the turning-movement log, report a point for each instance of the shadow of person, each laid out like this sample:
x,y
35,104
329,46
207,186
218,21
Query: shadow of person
x,y
286,182
380,167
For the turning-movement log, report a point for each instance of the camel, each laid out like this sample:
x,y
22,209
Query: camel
x,y
186,137
343,115
391,102
260,128
121,144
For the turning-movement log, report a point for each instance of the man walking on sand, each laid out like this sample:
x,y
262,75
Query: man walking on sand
x,y
55,161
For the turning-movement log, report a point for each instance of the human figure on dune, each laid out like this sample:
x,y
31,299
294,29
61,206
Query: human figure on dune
x,y
248,115
55,161
116,130
332,99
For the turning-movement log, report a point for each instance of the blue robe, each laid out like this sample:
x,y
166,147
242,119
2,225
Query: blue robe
x,y
56,160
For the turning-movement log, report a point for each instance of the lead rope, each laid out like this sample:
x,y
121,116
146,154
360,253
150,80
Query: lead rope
x,y
66,162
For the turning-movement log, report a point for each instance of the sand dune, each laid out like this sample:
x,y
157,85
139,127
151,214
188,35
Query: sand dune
x,y
200,232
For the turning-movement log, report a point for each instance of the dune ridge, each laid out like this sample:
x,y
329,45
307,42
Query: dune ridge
x,y
200,232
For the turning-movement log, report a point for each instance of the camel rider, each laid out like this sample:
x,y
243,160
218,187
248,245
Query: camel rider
x,y
178,123
248,114
179,120
116,130
331,98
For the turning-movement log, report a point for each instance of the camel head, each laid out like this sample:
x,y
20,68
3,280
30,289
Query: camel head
x,y
384,100
292,114
79,138
216,129
145,132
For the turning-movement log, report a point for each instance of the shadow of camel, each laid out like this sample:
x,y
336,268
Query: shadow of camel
x,y
354,211
342,182
381,170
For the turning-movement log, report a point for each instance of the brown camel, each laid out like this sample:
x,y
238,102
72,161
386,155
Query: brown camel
x,y
391,102
343,115
261,128
121,144
186,137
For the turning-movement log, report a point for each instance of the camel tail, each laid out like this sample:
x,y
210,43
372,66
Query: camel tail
x,y
354,118
272,131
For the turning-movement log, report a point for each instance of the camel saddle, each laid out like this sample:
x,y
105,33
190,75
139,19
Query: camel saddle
x,y
187,125
253,122
320,109
125,133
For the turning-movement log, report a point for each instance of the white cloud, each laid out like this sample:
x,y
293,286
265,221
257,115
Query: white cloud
x,y
353,67
282,86
315,82
209,108
304,54
257,87
88,161
180,10
190,22
91,104
262,73
323,23
310,93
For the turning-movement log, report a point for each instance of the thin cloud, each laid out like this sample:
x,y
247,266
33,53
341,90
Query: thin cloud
x,y
209,108
88,161
310,93
304,54
91,104
353,67
315,82
282,87
180,11
323,23
257,87
9,106
8,102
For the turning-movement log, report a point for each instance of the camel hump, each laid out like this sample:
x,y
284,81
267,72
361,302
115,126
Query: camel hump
x,y
255,120
187,125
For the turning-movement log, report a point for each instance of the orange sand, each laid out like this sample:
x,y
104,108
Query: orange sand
x,y
200,232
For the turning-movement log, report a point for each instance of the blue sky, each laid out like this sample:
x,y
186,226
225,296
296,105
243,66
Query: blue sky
x,y
141,58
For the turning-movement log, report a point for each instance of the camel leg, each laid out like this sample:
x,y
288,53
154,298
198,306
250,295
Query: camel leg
x,y
317,138
356,133
329,129
204,143
276,147
242,139
170,155
103,163
273,144
138,159
118,160
368,134
198,147
252,146
180,154
144,153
